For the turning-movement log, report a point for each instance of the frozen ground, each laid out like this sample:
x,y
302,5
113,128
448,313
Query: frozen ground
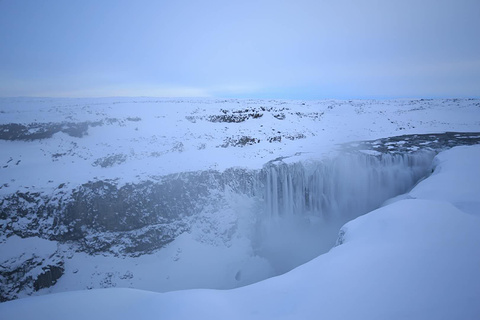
x,y
72,141
52,146
416,258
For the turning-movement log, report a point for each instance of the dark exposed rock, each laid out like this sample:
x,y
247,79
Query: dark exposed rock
x,y
275,139
35,131
242,115
48,277
45,130
27,272
230,116
134,119
131,219
413,142
239,141
286,136
234,117
110,160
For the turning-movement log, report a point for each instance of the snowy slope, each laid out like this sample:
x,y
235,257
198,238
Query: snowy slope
x,y
413,259
238,219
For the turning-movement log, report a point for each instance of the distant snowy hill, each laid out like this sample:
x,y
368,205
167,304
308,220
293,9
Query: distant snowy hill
x,y
170,194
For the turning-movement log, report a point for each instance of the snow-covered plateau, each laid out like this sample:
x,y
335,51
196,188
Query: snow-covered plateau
x,y
143,208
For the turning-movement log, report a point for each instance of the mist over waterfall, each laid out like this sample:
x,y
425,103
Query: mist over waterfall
x,y
167,194
305,203
208,229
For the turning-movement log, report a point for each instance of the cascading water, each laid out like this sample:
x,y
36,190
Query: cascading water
x,y
306,203
211,229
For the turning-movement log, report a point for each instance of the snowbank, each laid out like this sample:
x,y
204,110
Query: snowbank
x,y
456,180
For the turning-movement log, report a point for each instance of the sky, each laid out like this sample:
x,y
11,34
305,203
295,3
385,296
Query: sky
x,y
300,49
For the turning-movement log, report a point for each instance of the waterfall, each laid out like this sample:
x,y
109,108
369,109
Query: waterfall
x,y
349,185
305,203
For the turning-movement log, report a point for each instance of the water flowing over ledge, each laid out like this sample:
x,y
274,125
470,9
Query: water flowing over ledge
x,y
346,186
236,226
305,204
288,213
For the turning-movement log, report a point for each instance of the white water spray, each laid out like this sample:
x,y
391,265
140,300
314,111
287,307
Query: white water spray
x,y
305,204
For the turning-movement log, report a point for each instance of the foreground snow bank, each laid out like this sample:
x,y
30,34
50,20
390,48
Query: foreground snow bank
x,y
414,259
456,179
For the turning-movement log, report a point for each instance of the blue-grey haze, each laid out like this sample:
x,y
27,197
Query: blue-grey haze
x,y
300,49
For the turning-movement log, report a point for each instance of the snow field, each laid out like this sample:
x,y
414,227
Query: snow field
x,y
155,137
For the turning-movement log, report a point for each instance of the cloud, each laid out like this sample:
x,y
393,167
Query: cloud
x,y
224,48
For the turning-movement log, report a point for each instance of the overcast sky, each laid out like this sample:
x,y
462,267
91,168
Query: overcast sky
x,y
299,49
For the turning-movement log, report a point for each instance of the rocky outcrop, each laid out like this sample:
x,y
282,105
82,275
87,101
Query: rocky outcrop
x,y
414,142
103,216
49,276
36,131
42,130
28,265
